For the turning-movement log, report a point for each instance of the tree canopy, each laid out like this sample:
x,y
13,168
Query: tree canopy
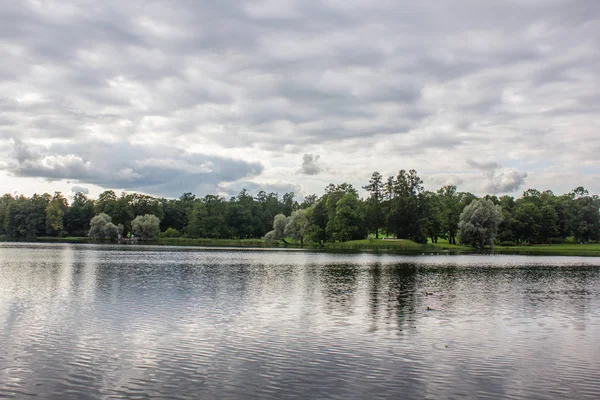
x,y
479,222
398,206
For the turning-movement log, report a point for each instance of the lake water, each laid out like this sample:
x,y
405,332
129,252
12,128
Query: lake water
x,y
86,321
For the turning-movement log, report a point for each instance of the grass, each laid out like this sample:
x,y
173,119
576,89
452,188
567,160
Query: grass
x,y
566,249
395,245
401,245
68,239
213,242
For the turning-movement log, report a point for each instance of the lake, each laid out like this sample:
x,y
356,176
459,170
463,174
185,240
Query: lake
x,y
99,322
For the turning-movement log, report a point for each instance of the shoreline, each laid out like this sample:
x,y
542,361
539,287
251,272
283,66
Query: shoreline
x,y
365,245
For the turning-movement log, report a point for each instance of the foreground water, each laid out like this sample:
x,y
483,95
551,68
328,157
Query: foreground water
x,y
85,321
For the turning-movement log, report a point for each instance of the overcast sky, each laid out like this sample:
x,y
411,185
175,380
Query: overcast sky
x,y
166,97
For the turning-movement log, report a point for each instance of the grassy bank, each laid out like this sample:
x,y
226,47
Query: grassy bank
x,y
395,245
213,242
567,249
68,239
402,245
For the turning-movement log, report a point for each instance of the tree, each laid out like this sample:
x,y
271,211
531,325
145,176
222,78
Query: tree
x,y
106,202
287,203
527,217
207,218
123,212
548,224
146,226
586,220
432,209
479,223
54,218
297,225
405,218
278,232
317,223
374,213
142,204
347,223
78,215
239,220
101,227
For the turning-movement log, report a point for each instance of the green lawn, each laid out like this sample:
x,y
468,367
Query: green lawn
x,y
570,248
68,239
592,249
394,244
213,242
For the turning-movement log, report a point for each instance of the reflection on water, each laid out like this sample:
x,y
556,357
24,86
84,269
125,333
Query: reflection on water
x,y
89,321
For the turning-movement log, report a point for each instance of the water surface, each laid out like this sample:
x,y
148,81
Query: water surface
x,y
88,321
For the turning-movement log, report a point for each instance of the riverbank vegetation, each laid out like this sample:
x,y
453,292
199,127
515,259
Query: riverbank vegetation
x,y
397,207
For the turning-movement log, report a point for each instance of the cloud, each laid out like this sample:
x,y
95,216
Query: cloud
x,y
503,182
484,166
160,170
79,189
498,180
417,84
310,164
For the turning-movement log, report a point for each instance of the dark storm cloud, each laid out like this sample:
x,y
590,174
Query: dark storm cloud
x,y
155,169
477,78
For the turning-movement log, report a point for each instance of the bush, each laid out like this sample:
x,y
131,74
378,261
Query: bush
x,y
507,243
169,233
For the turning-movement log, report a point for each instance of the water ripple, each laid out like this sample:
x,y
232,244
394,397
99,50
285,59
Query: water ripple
x,y
114,322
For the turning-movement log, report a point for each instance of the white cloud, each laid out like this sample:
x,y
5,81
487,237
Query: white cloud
x,y
368,86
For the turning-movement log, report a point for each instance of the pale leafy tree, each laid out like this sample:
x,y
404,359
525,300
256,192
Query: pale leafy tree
x,y
479,222
297,225
278,232
54,218
101,227
146,226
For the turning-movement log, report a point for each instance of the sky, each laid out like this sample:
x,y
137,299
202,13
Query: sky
x,y
171,96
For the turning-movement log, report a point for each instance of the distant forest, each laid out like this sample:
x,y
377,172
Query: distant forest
x,y
397,206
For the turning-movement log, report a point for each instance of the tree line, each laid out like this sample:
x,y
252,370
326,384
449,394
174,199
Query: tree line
x,y
397,206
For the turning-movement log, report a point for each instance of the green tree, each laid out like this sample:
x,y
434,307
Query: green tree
x,y
507,230
405,218
527,217
101,227
317,223
54,217
278,232
479,223
146,226
347,223
374,212
297,225
432,209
